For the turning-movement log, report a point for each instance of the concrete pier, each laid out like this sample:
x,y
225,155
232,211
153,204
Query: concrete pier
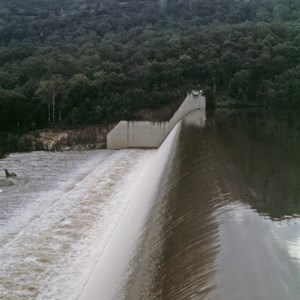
x,y
145,134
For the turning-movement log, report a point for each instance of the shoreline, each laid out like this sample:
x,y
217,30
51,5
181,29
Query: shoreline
x,y
57,139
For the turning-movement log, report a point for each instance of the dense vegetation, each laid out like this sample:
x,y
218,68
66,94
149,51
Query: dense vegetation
x,y
79,62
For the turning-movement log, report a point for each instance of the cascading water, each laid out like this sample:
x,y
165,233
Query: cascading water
x,y
52,232
114,265
212,214
72,218
225,222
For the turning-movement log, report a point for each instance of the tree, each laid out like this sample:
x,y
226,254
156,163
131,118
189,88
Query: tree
x,y
49,90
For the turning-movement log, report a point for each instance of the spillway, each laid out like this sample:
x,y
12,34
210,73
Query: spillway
x,y
113,266
225,225
212,214
59,216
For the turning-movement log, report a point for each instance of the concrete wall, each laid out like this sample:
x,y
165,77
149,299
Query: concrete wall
x,y
144,134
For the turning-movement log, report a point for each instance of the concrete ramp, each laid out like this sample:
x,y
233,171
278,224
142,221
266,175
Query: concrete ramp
x,y
145,134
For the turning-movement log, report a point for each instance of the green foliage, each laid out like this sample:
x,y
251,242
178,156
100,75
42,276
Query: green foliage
x,y
12,143
90,61
2,152
24,144
3,142
39,146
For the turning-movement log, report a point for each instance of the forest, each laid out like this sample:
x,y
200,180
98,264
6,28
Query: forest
x,y
80,62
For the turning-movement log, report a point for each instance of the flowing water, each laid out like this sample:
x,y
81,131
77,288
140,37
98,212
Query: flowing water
x,y
213,214
58,216
225,222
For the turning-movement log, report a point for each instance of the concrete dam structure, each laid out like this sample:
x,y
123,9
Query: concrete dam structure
x,y
146,134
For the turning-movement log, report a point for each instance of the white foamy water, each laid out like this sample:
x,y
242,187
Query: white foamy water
x,y
58,217
115,264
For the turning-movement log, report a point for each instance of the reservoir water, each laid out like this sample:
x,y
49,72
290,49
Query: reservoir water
x,y
213,214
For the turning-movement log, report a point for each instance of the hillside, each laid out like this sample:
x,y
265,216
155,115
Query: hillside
x,y
81,62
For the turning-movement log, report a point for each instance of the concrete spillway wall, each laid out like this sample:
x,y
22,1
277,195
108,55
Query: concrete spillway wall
x,y
145,134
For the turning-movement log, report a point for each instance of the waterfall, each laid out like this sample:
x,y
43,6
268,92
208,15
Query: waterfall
x,y
109,273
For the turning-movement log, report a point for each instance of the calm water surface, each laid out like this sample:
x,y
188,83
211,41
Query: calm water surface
x,y
226,221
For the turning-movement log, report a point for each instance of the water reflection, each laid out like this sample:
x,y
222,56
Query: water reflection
x,y
191,231
179,245
263,153
224,225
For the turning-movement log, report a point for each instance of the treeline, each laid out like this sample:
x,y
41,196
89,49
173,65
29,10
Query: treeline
x,y
84,62
64,21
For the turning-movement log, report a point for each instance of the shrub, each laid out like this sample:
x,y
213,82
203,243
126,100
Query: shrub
x,y
12,143
25,144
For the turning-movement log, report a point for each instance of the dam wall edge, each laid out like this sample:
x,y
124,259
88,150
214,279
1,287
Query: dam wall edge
x,y
146,134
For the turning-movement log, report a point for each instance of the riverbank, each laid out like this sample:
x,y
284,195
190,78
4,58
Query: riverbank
x,y
56,139
84,137
64,139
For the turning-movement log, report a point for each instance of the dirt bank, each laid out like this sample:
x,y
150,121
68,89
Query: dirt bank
x,y
90,137
61,139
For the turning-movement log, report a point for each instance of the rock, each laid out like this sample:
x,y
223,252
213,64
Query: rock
x,y
78,147
5,182
65,148
9,174
100,145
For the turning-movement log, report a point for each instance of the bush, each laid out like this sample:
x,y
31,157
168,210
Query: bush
x,y
25,144
2,152
39,146
12,143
